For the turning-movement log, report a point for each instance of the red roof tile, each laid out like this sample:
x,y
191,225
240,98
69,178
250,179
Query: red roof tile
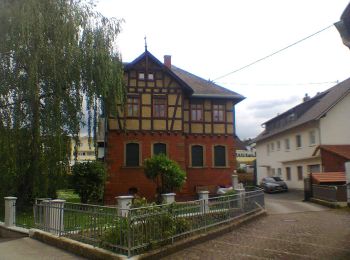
x,y
341,150
323,177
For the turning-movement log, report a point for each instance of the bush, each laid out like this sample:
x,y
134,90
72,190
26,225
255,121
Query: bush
x,y
166,173
89,180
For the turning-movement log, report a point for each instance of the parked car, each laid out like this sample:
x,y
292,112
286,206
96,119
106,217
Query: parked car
x,y
273,184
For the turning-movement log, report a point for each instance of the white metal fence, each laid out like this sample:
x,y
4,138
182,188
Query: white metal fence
x,y
140,229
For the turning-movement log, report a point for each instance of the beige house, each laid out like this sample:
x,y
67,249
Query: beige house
x,y
287,146
85,151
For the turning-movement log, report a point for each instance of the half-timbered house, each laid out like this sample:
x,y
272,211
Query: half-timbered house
x,y
169,110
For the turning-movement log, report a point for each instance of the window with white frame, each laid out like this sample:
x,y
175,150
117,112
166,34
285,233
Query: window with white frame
x,y
298,141
287,144
312,137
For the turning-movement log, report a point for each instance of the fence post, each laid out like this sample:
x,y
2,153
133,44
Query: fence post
x,y
56,216
235,181
347,178
241,197
168,198
204,200
10,211
124,204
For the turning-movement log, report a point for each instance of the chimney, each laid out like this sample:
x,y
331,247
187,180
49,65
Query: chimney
x,y
167,61
306,98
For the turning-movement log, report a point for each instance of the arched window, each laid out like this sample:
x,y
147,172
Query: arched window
x,y
219,156
197,156
132,154
159,148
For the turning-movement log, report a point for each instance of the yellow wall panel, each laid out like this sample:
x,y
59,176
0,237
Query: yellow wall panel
x,y
146,99
133,82
146,124
229,105
166,81
150,84
159,83
207,116
230,129
186,102
229,117
178,113
146,111
219,128
186,128
207,129
159,124
197,128
177,125
113,124
132,124
207,104
186,115
141,83
171,99
170,111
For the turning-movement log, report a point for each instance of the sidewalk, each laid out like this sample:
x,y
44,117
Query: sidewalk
x,y
31,249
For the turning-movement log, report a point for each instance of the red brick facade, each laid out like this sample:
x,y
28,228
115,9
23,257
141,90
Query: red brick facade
x,y
122,178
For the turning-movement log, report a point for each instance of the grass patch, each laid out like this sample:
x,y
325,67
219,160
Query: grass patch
x,y
68,195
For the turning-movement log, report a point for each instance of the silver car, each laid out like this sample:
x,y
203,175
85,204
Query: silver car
x,y
273,184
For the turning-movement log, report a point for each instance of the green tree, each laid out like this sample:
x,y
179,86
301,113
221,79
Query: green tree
x,y
89,180
53,55
166,173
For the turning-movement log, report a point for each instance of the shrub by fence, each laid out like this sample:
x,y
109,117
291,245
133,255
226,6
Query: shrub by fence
x,y
131,231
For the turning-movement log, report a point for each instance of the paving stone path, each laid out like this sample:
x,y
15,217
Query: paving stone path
x,y
321,234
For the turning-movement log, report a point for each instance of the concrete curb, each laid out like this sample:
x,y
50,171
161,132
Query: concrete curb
x,y
73,246
12,232
329,204
196,239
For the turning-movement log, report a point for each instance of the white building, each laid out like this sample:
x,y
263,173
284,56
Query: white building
x,y
286,147
85,150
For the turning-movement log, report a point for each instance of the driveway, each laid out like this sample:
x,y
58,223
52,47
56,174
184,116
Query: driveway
x,y
292,230
289,202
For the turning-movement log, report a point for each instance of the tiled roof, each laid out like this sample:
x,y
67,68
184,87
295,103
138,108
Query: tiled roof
x,y
310,110
198,86
324,177
341,150
202,87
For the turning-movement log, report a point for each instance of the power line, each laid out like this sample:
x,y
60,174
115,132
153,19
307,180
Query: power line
x,y
282,84
274,53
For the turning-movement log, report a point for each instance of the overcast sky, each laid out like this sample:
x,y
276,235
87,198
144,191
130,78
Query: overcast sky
x,y
213,38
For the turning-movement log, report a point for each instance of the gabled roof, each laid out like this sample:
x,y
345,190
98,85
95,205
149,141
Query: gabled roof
x,y
240,145
204,88
340,150
197,86
308,111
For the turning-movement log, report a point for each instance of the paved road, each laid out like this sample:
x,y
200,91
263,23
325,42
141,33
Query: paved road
x,y
292,230
290,202
30,249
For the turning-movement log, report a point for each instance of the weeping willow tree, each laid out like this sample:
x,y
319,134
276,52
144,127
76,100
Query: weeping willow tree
x,y
53,55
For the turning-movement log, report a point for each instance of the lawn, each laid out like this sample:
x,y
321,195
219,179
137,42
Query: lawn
x,y
68,195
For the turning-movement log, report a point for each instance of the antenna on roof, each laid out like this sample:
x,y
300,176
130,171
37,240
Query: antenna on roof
x,y
145,43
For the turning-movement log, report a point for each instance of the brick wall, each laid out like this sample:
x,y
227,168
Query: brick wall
x,y
121,178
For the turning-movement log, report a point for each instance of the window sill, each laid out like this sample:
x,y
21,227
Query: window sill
x,y
220,167
131,167
197,167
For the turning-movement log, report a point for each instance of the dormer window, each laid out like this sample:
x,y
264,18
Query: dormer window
x,y
142,76
150,76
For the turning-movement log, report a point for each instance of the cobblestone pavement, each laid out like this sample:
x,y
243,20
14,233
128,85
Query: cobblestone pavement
x,y
310,234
